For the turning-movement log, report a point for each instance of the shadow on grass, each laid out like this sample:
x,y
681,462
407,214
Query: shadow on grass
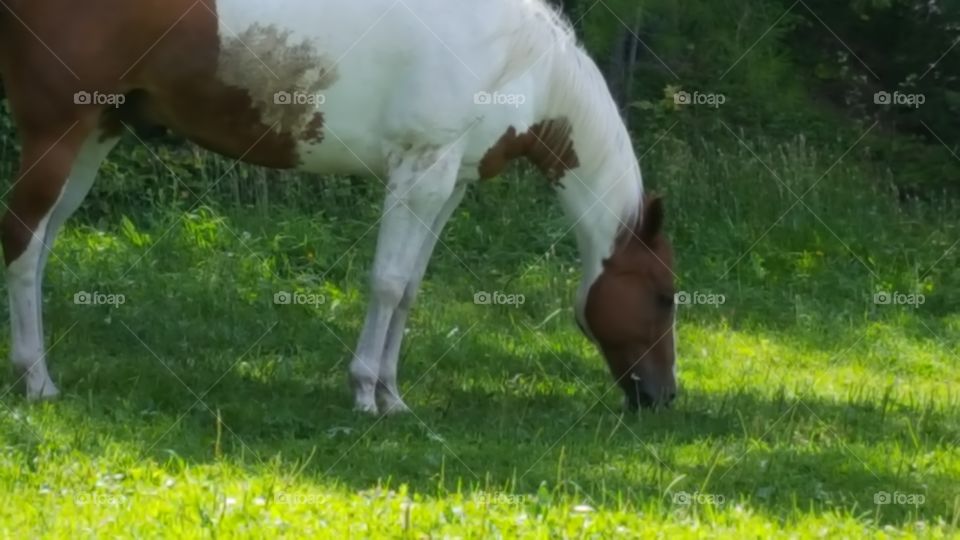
x,y
781,453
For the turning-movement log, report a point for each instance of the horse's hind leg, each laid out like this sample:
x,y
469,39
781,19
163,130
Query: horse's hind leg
x,y
57,170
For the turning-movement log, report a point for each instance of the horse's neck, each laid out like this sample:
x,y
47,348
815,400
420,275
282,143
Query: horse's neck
x,y
602,196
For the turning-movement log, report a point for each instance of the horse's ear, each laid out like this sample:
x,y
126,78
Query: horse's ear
x,y
651,221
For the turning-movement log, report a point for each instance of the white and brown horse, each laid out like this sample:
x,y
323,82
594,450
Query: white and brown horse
x,y
430,94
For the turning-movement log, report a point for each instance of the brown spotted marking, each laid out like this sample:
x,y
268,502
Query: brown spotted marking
x,y
548,145
274,71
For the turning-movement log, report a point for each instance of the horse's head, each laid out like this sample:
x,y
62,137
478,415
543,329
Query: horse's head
x,y
630,311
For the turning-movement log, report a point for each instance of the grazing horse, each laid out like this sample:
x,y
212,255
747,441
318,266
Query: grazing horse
x,y
431,95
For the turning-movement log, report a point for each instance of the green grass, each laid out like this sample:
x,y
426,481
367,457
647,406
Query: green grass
x,y
199,408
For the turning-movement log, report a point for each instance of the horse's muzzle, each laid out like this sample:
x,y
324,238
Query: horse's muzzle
x,y
638,394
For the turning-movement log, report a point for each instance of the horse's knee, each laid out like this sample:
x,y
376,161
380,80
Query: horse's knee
x,y
409,298
388,290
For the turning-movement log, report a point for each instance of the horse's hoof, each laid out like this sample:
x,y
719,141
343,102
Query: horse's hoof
x,y
394,406
366,408
43,392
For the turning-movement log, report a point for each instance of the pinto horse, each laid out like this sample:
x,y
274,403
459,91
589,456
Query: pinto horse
x,y
432,95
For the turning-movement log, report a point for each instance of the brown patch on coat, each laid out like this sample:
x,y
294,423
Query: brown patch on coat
x,y
548,145
285,80
224,96
187,90
313,131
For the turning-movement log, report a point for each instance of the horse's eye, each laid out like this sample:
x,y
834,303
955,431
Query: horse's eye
x,y
665,301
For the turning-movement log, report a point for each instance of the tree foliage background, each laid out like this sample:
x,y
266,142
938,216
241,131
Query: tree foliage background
x,y
792,67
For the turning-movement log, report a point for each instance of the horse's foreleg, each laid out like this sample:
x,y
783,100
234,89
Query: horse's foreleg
x,y
421,184
388,395
57,171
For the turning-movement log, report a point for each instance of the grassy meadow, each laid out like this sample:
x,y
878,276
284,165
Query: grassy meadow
x,y
818,361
